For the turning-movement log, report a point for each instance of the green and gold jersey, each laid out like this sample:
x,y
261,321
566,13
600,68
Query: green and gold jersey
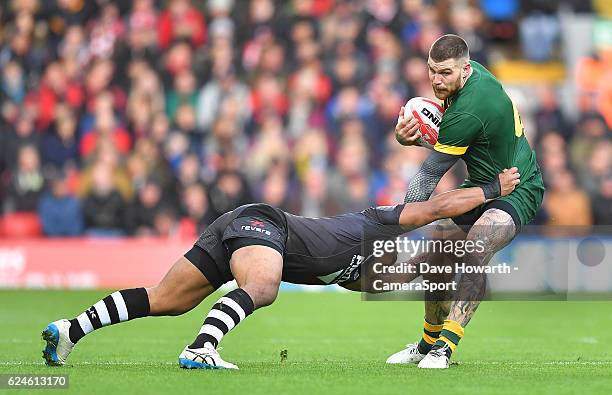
x,y
483,126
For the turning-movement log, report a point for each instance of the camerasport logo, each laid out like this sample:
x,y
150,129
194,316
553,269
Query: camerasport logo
x,y
256,226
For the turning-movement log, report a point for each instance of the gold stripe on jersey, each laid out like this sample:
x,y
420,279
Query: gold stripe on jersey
x,y
518,124
449,149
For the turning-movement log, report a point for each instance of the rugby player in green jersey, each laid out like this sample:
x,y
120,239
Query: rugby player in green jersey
x,y
482,126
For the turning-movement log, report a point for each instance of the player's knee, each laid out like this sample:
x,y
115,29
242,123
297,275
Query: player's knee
x,y
262,293
485,244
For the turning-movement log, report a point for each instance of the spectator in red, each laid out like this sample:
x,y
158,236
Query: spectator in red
x,y
142,23
52,88
268,95
181,20
254,49
310,77
178,58
106,128
105,31
99,78
75,94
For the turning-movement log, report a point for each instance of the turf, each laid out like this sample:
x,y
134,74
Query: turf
x,y
335,344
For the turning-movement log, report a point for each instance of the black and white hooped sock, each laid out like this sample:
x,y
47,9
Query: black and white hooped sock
x,y
228,312
119,306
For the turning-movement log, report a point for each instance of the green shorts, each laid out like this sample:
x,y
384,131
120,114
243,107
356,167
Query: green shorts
x,y
526,199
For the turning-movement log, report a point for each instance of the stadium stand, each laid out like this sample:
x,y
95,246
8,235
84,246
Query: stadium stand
x,y
146,117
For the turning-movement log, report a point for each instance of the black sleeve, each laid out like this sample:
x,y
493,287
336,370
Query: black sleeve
x,y
387,215
424,182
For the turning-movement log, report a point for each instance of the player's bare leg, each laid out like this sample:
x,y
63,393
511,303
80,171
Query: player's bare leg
x,y
181,289
495,228
258,271
437,304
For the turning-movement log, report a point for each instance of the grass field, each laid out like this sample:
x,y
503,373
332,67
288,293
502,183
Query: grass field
x,y
335,344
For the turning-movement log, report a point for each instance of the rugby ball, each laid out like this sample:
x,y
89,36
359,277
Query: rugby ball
x,y
428,113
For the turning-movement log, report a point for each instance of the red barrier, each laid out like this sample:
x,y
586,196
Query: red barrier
x,y
87,263
20,225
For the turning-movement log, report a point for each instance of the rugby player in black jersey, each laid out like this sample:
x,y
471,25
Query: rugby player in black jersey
x,y
258,246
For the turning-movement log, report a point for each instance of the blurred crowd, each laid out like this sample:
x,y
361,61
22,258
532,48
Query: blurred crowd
x,y
149,117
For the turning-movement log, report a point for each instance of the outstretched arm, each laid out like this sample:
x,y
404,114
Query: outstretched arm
x,y
453,203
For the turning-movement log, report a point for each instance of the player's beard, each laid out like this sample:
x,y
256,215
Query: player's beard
x,y
447,91
440,94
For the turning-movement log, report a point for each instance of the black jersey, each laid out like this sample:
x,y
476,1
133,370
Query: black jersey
x,y
315,250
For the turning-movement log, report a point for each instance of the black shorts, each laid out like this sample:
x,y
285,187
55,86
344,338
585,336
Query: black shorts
x,y
467,220
255,224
